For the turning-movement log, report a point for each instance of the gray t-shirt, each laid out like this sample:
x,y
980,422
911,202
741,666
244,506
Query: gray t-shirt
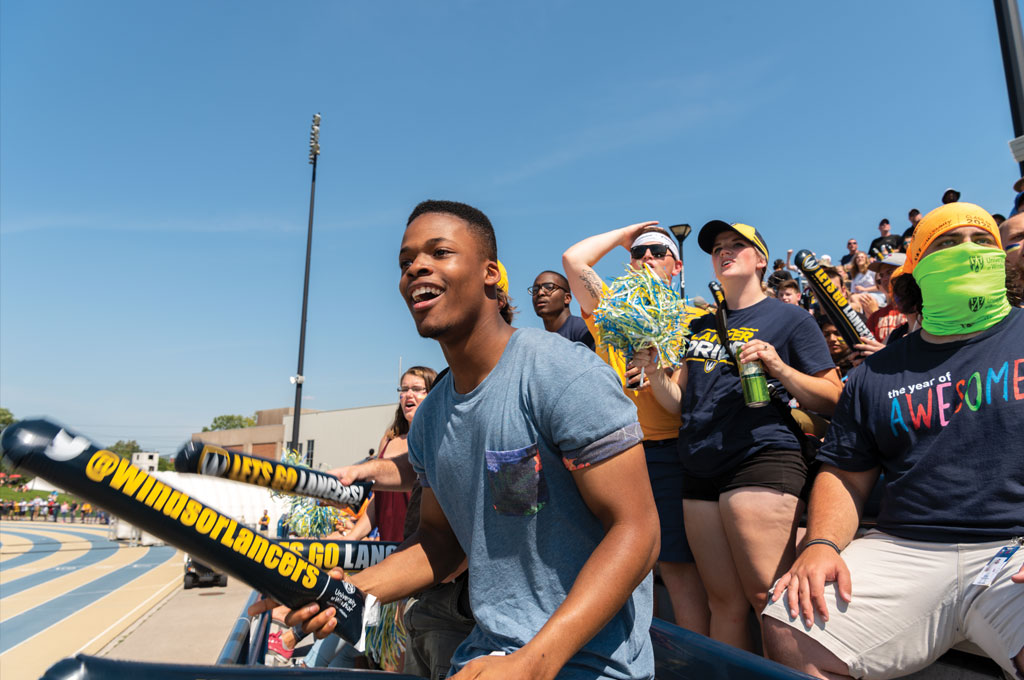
x,y
498,460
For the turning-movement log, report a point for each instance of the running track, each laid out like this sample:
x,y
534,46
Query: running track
x,y
74,577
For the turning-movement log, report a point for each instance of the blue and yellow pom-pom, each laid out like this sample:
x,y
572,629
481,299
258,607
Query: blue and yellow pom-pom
x,y
639,310
307,517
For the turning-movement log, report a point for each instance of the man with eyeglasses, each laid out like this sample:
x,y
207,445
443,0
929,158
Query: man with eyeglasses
x,y
648,245
551,298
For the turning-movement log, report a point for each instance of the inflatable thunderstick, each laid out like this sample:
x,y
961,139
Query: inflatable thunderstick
x,y
207,459
832,300
70,461
722,321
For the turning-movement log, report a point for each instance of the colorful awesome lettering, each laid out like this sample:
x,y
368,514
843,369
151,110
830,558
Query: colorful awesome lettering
x,y
923,405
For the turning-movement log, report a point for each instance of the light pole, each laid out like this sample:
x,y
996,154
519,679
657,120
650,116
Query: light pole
x,y
298,379
681,231
1008,24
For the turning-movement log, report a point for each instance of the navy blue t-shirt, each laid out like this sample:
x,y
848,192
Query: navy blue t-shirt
x,y
944,423
575,330
719,429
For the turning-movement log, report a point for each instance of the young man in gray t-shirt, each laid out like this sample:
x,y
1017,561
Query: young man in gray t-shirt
x,y
532,468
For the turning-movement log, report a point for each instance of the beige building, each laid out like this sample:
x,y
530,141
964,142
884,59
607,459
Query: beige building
x,y
330,439
265,439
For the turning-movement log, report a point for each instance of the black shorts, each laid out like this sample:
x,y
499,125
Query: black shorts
x,y
784,471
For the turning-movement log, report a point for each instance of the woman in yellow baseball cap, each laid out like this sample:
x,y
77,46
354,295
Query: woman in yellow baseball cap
x,y
745,471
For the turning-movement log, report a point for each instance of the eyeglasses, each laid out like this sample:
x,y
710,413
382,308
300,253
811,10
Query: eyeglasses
x,y
546,287
658,250
417,390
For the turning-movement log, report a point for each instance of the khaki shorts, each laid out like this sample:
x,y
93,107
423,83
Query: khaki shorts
x,y
912,601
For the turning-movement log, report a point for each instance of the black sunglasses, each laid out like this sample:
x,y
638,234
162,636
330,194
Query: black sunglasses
x,y
546,287
657,250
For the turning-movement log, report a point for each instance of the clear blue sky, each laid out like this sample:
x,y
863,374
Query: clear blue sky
x,y
155,188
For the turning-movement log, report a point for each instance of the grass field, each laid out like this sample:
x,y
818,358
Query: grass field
x,y
9,494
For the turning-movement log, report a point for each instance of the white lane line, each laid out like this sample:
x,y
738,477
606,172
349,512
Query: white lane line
x,y
173,581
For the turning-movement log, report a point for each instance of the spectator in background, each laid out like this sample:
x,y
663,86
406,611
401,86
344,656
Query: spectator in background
x,y
837,347
907,235
886,319
778,275
851,250
998,218
1012,233
886,242
862,303
789,292
863,279
551,298
387,509
1018,200
648,245
914,216
950,195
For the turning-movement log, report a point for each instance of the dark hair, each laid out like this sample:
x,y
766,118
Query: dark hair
x,y
884,221
999,219
908,232
823,320
914,212
561,279
505,306
475,219
788,283
778,264
400,425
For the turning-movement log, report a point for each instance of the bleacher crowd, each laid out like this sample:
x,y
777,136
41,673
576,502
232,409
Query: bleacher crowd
x,y
557,484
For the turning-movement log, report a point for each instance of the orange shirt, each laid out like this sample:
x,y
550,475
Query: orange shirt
x,y
656,423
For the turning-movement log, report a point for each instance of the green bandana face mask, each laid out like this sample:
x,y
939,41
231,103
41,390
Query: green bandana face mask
x,y
963,289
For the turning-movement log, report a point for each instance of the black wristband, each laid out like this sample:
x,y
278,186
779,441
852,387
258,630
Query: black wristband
x,y
823,541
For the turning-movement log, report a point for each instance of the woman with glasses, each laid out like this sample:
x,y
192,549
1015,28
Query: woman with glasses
x,y
387,510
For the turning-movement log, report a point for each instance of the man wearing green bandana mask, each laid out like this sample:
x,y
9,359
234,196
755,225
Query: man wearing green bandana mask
x,y
963,288
938,412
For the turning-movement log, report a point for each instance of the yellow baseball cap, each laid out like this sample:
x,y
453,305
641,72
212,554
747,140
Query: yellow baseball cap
x,y
503,281
711,230
946,218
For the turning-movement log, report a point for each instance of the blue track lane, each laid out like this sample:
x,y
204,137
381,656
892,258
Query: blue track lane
x,y
19,628
100,548
41,547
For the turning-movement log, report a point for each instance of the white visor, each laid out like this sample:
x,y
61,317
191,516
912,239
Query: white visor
x,y
656,237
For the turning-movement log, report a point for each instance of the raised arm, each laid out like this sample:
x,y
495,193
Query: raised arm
x,y
579,261
619,563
